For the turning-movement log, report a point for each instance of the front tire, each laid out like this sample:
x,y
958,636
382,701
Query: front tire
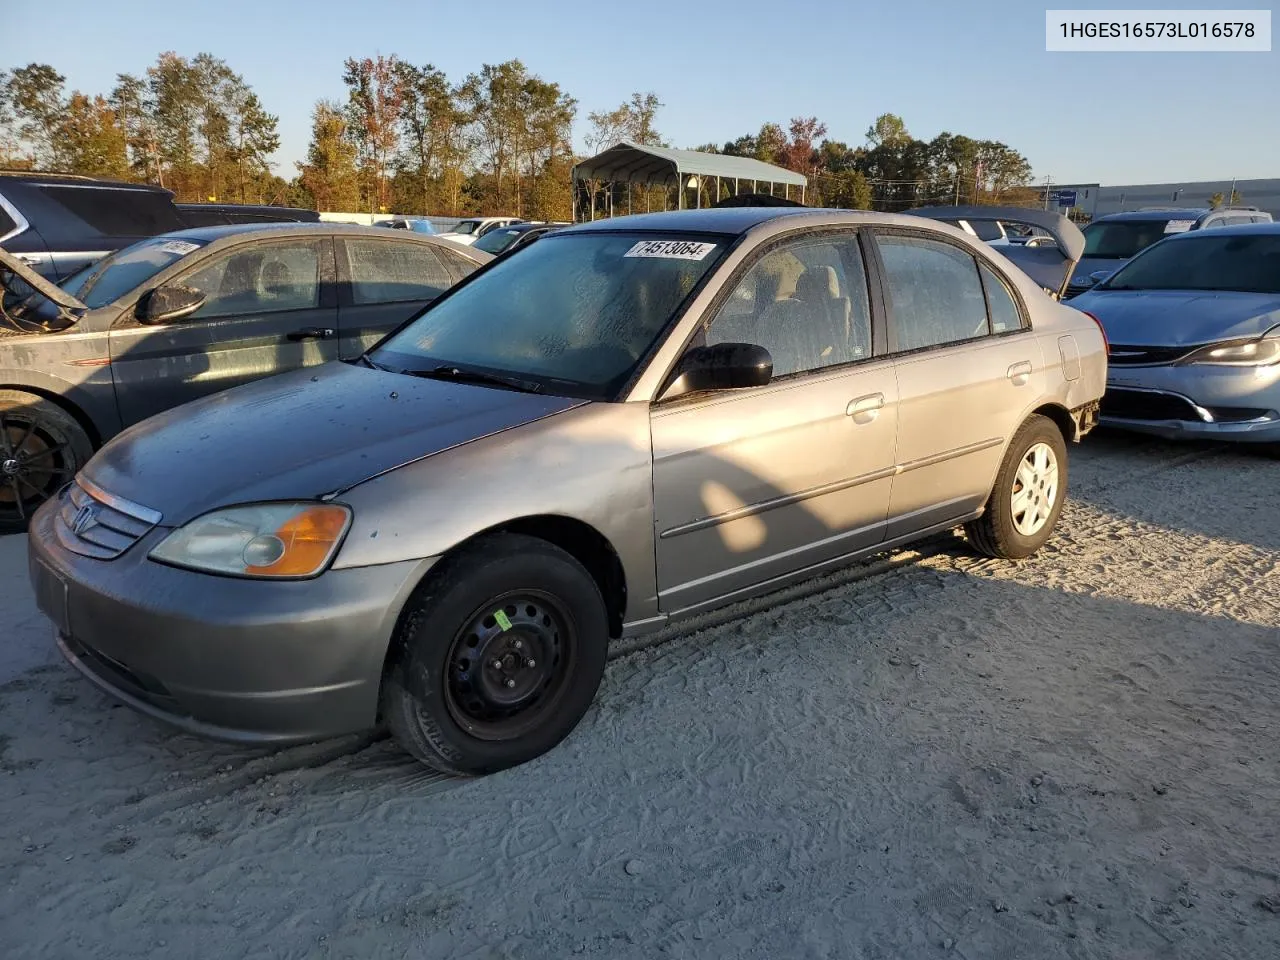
x,y
497,658
1028,495
42,447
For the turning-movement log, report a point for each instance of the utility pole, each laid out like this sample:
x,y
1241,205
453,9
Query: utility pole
x,y
1047,180
957,203
1231,197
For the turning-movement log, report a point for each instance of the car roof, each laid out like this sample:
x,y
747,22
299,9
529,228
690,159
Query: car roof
x,y
288,227
47,179
1236,230
735,221
1187,213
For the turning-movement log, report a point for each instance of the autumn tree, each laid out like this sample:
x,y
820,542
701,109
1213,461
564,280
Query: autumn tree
x,y
375,96
36,101
329,174
433,146
93,143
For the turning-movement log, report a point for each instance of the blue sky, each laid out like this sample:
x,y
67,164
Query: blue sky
x,y
722,69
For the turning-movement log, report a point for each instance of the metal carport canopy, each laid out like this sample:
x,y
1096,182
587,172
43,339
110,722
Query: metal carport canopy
x,y
628,162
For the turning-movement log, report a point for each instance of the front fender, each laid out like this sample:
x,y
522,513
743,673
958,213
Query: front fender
x,y
593,464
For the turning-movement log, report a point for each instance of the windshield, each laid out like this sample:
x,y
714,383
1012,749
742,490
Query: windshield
x,y
1209,261
497,240
1122,239
466,226
575,313
112,277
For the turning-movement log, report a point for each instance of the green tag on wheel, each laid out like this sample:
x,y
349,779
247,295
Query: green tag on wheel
x,y
503,622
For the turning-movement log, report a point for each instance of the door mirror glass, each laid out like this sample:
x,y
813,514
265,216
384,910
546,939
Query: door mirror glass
x,y
725,366
169,303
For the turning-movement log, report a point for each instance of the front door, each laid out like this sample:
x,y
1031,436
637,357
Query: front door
x,y
751,485
385,282
967,365
271,308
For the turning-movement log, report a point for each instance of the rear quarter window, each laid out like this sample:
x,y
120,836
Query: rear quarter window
x,y
7,223
118,213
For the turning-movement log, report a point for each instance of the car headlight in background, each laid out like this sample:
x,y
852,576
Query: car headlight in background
x,y
272,540
1255,352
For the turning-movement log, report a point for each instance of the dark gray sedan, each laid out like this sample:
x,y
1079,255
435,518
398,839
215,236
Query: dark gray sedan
x,y
183,315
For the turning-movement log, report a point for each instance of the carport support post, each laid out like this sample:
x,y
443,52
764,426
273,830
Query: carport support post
x,y
574,199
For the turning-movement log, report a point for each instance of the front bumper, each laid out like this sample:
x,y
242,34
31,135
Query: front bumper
x,y
1212,403
250,661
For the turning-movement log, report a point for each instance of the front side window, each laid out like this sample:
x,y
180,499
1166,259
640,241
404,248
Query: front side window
x,y
467,227
935,294
267,278
386,271
575,312
805,302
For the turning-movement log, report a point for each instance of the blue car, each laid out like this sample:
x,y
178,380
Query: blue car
x,y
1194,329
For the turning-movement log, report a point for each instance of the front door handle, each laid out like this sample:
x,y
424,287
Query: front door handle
x,y
1019,373
313,333
865,409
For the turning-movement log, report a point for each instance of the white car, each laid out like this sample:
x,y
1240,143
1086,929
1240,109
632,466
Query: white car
x,y
467,232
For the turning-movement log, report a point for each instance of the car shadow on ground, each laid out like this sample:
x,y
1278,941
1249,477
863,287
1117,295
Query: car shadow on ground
x,y
880,761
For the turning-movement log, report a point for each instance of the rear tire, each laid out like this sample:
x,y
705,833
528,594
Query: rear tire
x,y
1028,495
498,656
42,447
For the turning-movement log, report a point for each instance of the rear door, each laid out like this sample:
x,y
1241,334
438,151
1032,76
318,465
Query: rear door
x,y
271,307
967,365
383,282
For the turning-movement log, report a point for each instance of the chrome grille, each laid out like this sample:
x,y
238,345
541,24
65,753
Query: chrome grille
x,y
96,524
1121,355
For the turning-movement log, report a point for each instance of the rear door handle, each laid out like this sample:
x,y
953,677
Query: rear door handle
x,y
313,333
1020,373
865,409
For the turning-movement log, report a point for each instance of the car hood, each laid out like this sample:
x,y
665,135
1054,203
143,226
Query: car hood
x,y
1175,318
303,434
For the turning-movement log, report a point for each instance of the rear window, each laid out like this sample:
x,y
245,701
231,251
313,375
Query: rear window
x,y
118,213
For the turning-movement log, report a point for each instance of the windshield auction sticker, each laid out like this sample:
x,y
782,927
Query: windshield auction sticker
x,y
180,247
1179,226
1157,31
671,249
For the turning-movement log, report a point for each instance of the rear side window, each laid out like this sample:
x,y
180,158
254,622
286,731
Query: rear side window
x,y
118,213
935,293
1000,303
387,271
6,223
268,278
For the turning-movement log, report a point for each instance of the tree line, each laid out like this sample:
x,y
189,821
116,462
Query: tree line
x,y
406,138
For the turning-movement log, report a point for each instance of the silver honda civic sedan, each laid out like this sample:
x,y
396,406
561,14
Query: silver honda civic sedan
x,y
630,422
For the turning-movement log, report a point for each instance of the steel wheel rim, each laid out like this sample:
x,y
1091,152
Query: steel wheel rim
x,y
502,682
33,465
1035,489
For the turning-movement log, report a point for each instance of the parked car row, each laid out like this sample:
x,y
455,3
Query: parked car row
x,y
621,424
1113,239
184,315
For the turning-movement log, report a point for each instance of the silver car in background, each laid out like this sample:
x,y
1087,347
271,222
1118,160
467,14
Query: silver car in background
x,y
632,421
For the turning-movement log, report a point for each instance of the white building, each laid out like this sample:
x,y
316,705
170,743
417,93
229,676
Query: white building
x,y
1095,200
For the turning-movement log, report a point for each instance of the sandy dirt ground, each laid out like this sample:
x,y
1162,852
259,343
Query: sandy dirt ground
x,y
928,756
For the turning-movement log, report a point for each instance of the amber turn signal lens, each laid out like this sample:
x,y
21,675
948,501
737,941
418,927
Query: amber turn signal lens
x,y
309,538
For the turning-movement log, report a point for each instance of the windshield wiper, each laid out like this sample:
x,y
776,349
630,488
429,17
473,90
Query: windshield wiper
x,y
447,371
364,358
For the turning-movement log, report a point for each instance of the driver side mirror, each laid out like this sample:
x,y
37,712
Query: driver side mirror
x,y
725,366
169,303
1099,275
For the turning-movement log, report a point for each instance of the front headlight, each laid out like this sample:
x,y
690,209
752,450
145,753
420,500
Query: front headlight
x,y
1257,352
272,540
